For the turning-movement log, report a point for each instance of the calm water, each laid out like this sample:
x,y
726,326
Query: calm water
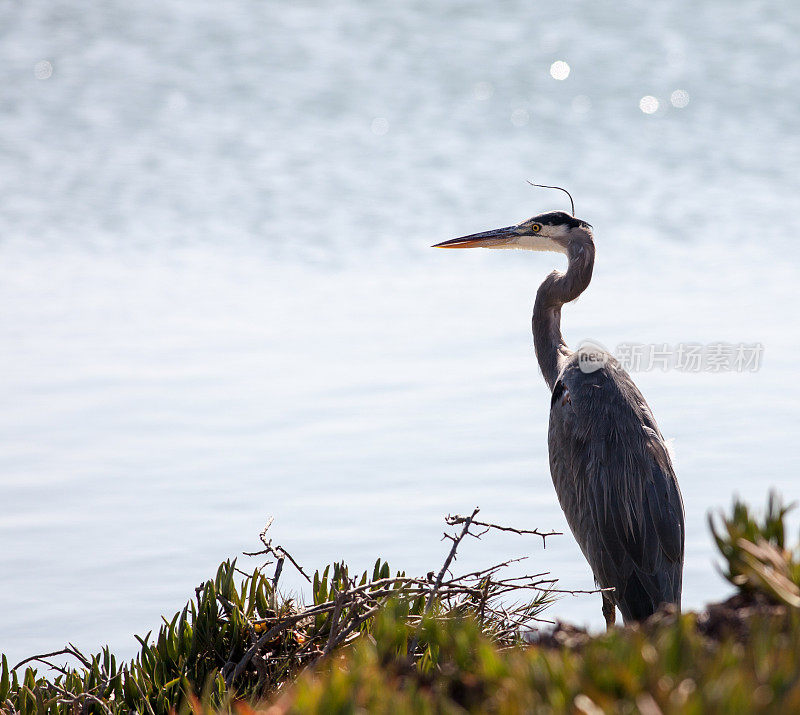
x,y
217,300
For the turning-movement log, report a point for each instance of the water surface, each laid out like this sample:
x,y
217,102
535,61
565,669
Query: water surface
x,y
218,303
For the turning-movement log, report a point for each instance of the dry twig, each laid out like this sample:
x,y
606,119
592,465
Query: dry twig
x,y
278,551
455,519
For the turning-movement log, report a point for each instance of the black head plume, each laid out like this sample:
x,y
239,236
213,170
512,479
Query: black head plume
x,y
545,186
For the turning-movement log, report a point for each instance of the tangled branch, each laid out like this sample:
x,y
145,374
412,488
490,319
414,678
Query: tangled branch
x,y
250,639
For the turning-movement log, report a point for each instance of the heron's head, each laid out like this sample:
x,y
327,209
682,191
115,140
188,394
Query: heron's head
x,y
551,231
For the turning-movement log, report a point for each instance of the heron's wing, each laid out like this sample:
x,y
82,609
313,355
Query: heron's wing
x,y
615,481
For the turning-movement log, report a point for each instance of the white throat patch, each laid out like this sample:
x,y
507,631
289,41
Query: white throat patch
x,y
536,243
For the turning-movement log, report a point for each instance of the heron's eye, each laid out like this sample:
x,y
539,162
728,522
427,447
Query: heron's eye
x,y
536,227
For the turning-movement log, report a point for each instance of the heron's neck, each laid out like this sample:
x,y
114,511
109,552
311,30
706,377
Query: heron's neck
x,y
559,288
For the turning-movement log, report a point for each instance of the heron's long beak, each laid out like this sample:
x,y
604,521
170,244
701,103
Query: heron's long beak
x,y
488,239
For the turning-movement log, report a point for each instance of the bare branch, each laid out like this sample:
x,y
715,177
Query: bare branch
x,y
70,650
75,698
277,551
450,556
455,519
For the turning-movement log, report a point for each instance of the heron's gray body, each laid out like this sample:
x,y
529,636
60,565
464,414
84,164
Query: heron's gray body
x,y
614,479
610,466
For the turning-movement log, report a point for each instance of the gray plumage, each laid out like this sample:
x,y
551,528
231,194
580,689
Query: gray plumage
x,y
610,465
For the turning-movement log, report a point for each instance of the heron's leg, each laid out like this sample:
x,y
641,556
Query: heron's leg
x,y
609,612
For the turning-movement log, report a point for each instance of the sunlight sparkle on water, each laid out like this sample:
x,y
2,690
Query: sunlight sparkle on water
x,y
380,125
559,70
43,70
483,91
679,98
648,104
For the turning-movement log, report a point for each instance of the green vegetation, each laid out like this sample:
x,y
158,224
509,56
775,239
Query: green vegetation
x,y
396,644
756,554
669,665
240,639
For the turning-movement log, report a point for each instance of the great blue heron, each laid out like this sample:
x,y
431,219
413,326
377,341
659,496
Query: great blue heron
x,y
609,462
